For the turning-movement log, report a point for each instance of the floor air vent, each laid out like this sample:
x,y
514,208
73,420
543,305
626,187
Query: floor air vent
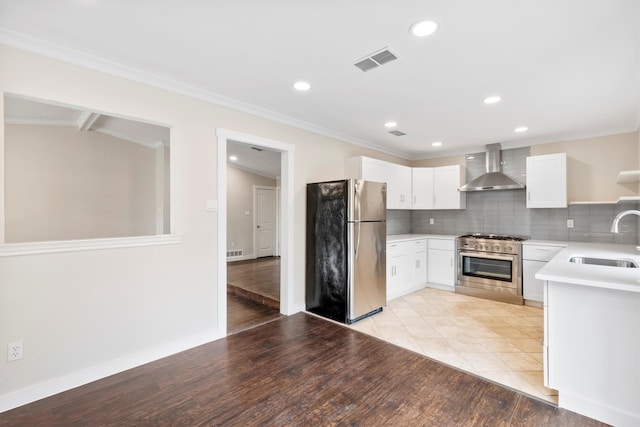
x,y
376,59
397,133
235,253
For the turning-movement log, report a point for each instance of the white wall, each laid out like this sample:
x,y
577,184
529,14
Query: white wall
x,y
62,183
240,201
84,314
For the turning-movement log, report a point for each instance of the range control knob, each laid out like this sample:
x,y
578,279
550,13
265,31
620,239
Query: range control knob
x,y
509,248
496,247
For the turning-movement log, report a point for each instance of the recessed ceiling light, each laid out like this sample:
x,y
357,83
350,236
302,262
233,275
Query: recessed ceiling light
x,y
233,158
521,129
492,99
390,124
470,157
302,86
423,28
437,144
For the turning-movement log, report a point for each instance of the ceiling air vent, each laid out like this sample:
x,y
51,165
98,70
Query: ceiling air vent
x,y
397,133
376,59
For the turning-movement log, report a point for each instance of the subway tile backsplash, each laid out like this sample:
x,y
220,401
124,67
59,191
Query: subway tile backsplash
x,y
504,212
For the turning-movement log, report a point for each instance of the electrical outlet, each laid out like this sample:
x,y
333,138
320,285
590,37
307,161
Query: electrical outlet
x,y
431,221
569,223
14,351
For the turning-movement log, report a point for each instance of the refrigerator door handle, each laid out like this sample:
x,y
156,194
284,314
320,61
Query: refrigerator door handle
x,y
357,241
356,196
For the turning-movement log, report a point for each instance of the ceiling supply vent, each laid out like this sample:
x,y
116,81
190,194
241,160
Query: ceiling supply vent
x,y
397,133
376,59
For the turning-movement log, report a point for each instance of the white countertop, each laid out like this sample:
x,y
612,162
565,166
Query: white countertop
x,y
559,269
404,237
545,242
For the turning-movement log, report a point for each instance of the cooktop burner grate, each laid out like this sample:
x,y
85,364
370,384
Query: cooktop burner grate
x,y
493,237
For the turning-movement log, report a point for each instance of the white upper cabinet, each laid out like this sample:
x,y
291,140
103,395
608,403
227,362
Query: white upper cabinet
x,y
547,181
422,188
397,177
446,183
412,188
399,187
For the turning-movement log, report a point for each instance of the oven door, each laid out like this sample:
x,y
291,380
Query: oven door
x,y
488,270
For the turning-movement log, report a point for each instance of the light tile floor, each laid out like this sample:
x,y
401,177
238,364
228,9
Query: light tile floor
x,y
498,341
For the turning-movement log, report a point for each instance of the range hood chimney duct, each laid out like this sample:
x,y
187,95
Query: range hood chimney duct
x,y
493,178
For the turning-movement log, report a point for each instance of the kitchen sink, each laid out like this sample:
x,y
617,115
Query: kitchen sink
x,y
624,263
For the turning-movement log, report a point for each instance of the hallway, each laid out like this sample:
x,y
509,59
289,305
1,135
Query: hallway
x,y
253,293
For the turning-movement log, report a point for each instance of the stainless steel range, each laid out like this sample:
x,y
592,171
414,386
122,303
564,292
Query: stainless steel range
x,y
490,266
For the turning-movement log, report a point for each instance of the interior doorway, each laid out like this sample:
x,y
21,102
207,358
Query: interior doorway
x,y
265,218
282,242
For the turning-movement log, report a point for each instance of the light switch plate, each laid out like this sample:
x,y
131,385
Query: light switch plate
x,y
569,223
211,206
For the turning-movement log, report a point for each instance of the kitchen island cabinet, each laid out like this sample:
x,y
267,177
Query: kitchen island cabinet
x,y
592,333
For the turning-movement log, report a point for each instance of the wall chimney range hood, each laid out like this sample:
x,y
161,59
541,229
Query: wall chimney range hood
x,y
493,178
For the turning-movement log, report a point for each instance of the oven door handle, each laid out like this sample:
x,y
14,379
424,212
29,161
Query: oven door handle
x,y
489,255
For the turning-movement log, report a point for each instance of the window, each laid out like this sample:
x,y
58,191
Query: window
x,y
72,174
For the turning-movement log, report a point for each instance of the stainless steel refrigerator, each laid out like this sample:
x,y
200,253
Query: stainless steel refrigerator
x,y
346,277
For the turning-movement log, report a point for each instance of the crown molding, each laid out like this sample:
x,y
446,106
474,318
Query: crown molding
x,y
63,53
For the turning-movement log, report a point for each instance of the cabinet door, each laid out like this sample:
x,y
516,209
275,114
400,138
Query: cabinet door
x,y
532,288
419,268
422,186
440,268
398,273
373,170
547,181
399,186
446,182
418,265
397,177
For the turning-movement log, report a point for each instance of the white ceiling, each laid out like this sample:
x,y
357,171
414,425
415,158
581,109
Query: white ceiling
x,y
565,68
20,110
254,159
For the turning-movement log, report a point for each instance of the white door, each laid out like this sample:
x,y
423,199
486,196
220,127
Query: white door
x,y
265,221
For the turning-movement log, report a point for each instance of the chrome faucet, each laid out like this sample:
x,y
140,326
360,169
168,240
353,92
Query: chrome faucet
x,y
616,220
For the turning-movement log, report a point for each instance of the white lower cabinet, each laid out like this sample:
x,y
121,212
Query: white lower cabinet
x,y
592,350
441,262
406,267
534,257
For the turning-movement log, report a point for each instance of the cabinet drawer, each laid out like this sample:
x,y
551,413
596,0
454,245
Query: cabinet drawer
x,y
398,248
539,252
443,244
418,245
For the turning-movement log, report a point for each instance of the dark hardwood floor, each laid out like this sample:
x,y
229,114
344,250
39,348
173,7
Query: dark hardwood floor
x,y
294,371
258,280
244,313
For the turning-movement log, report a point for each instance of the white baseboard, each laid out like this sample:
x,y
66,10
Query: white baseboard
x,y
597,410
85,376
241,258
441,287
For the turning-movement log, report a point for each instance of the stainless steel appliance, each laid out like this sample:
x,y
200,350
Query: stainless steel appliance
x,y
346,278
493,178
490,266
